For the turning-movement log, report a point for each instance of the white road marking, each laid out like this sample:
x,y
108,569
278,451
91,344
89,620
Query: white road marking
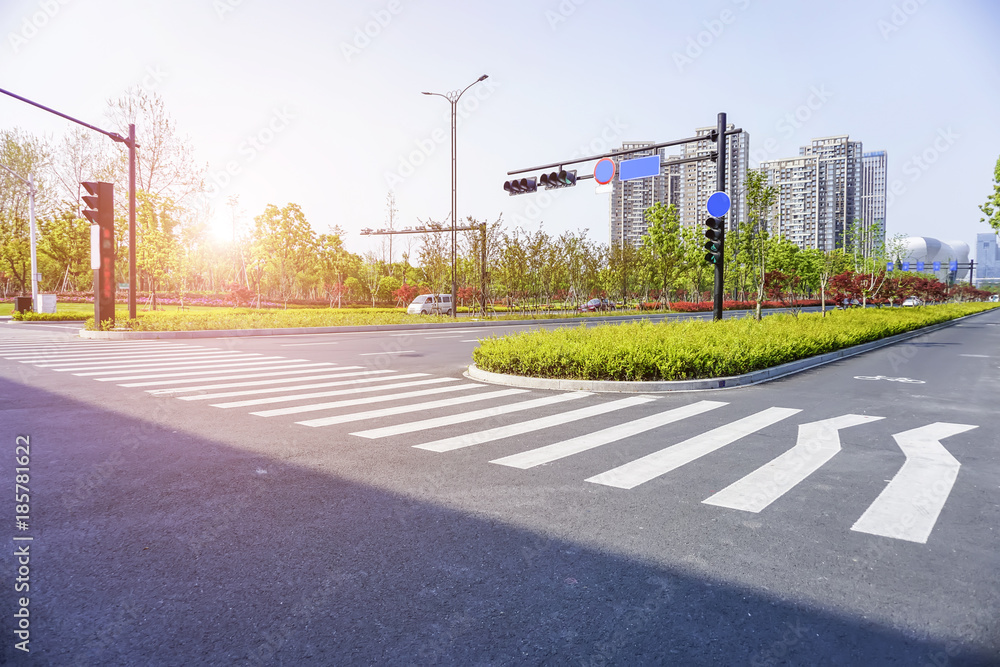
x,y
908,507
470,340
465,417
439,337
90,358
270,390
413,407
221,365
244,374
817,443
659,463
489,435
558,450
325,342
220,371
976,356
372,354
332,392
155,363
363,401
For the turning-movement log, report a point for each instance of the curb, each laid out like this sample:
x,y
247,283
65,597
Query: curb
x,y
707,384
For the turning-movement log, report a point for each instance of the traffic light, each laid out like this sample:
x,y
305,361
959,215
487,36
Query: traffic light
x,y
558,179
520,186
714,234
101,213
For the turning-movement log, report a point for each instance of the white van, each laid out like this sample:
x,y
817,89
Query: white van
x,y
430,304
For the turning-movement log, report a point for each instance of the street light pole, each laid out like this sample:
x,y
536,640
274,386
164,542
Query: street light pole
x,y
30,182
453,98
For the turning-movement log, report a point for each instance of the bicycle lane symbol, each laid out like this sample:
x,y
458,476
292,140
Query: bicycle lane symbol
x,y
888,379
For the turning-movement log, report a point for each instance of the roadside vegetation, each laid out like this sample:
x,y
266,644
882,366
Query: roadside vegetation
x,y
686,350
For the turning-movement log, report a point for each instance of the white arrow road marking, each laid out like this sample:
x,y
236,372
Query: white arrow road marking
x,y
653,465
556,451
908,507
817,443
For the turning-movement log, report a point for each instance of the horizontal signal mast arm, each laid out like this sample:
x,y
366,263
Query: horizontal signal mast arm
x,y
665,144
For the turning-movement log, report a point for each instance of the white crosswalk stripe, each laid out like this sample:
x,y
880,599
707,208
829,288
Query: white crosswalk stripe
x,y
247,374
358,378
449,420
413,407
333,392
298,409
556,451
264,365
155,364
659,463
489,435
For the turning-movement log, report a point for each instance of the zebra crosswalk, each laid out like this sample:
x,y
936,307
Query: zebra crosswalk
x,y
445,415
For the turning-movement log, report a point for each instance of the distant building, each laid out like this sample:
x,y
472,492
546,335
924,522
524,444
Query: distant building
x,y
687,186
928,250
987,257
820,194
873,194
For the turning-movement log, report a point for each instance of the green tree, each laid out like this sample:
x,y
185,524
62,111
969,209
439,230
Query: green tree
x,y
65,239
760,199
991,208
285,241
664,238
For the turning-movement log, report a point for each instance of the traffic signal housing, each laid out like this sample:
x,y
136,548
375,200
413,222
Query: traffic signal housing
x,y
714,232
558,179
520,186
101,213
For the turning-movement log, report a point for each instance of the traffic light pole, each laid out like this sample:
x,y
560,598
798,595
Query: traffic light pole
x,y
720,186
130,142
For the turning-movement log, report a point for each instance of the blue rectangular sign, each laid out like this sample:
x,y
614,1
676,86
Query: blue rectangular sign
x,y
920,265
953,265
906,266
937,266
640,167
889,266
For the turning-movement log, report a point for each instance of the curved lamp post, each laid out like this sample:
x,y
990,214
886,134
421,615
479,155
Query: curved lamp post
x,y
453,98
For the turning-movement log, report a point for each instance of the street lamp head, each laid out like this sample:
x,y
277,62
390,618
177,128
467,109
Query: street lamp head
x,y
485,76
426,93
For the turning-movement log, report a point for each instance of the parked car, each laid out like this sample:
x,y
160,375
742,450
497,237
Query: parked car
x,y
912,301
430,304
596,304
995,298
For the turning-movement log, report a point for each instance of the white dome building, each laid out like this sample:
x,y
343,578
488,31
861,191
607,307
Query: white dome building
x,y
927,250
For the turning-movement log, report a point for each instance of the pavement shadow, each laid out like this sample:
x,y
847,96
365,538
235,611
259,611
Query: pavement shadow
x,y
153,547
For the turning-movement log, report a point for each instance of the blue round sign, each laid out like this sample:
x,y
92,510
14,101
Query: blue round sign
x,y
718,204
604,171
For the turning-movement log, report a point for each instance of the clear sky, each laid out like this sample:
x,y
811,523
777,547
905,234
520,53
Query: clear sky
x,y
319,103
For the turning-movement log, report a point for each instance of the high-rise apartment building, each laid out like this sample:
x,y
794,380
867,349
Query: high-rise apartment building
x,y
873,192
687,186
987,257
819,192
698,179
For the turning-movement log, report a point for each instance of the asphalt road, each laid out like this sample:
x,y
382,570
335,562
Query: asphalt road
x,y
428,519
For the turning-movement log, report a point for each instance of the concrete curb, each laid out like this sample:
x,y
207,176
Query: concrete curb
x,y
732,382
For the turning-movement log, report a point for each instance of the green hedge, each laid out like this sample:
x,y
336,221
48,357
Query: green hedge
x,y
48,317
252,318
687,349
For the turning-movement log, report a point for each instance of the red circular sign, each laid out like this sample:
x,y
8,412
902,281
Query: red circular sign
x,y
604,171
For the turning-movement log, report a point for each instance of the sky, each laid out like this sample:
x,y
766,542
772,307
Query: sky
x,y
319,102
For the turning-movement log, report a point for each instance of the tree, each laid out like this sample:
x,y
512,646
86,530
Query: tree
x,y
65,239
333,263
760,198
663,236
24,155
285,241
991,208
371,275
157,249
